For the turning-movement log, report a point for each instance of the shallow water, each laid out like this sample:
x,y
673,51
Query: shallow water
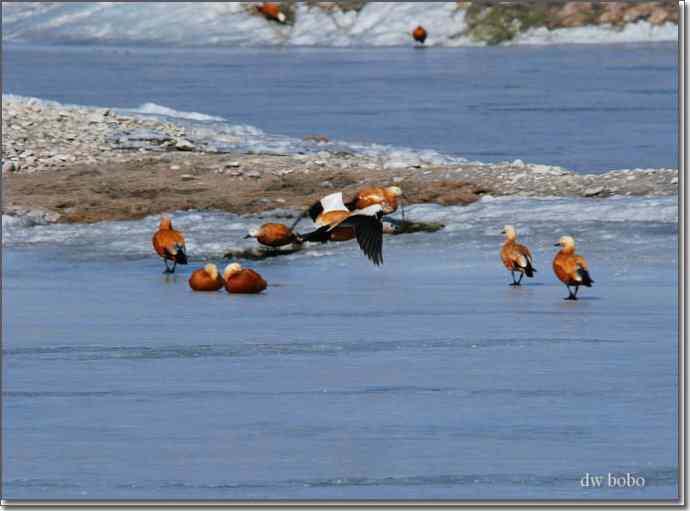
x,y
587,108
427,378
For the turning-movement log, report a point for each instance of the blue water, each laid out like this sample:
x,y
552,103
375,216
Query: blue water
x,y
588,108
429,378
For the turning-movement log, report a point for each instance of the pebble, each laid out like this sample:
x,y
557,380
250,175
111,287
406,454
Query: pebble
x,y
254,174
592,192
188,177
184,145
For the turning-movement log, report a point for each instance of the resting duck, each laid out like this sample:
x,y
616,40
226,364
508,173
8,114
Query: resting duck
x,y
242,280
206,279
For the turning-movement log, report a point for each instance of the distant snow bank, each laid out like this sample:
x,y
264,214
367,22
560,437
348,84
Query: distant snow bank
x,y
232,24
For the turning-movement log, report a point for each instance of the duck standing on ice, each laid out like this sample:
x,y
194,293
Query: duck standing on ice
x,y
570,268
419,34
169,244
516,257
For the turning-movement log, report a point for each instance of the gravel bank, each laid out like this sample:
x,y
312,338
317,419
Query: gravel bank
x,y
76,164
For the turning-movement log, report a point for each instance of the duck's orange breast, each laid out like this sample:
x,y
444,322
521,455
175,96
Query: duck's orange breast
x,y
419,34
201,280
245,281
565,268
167,238
506,255
275,235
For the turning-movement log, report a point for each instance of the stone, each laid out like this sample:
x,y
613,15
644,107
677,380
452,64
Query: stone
x,y
254,174
184,145
188,177
593,192
8,167
232,165
674,181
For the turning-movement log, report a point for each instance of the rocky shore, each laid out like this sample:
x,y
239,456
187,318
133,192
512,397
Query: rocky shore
x,y
75,164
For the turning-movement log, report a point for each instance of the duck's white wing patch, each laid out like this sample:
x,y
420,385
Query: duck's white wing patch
x,y
333,202
368,211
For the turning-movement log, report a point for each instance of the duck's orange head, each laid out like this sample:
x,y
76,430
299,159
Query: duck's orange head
x,y
166,223
567,244
509,231
231,269
395,191
212,270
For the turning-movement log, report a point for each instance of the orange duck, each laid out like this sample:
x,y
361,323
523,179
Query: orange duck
x,y
206,279
170,245
242,280
570,268
419,34
271,11
330,209
274,235
516,257
337,223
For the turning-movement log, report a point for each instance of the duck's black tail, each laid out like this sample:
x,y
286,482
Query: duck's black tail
x,y
586,279
180,256
322,234
529,270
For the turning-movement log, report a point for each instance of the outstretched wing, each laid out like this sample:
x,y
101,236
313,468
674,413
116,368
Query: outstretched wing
x,y
369,234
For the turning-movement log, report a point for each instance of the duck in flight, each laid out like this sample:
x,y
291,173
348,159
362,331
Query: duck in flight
x,y
516,257
387,197
170,245
337,223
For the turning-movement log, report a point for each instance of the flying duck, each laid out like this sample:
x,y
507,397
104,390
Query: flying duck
x,y
338,223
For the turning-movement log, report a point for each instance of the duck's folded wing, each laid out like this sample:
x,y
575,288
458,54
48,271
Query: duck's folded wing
x,y
369,234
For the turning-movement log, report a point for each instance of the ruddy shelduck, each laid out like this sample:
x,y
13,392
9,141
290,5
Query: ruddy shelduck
x,y
419,34
333,205
271,11
170,245
364,224
206,279
274,235
516,257
570,268
242,280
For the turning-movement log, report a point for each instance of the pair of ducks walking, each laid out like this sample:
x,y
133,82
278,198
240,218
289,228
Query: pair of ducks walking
x,y
570,268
